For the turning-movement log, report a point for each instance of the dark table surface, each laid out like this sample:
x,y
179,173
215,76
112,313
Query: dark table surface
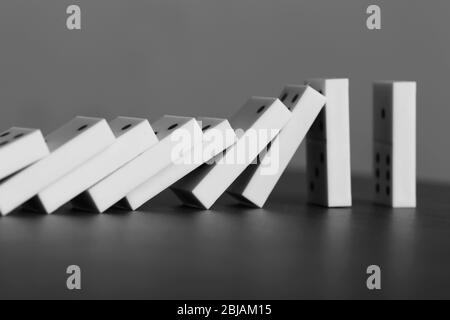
x,y
288,250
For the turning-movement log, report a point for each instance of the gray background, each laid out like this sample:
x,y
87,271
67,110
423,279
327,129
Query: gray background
x,y
193,57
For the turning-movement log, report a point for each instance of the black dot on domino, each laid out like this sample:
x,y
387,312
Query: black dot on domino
x,y
128,126
82,128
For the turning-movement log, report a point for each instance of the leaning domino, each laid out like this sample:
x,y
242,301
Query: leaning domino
x,y
70,146
395,143
328,147
217,137
173,133
19,148
259,122
256,184
133,137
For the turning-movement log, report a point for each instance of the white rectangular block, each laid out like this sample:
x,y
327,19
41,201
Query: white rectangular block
x,y
256,184
70,146
217,137
330,138
257,124
175,135
133,137
19,148
395,143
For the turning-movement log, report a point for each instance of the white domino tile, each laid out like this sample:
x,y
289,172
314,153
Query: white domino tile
x,y
328,162
256,184
176,136
395,143
133,137
259,122
19,148
70,146
217,137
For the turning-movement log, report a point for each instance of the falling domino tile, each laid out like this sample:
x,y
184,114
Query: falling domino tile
x,y
170,131
395,143
70,146
19,148
133,137
328,147
217,137
260,119
256,184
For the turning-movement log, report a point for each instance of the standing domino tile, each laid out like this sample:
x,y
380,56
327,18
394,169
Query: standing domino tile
x,y
20,148
395,143
70,146
256,184
172,132
328,147
260,120
217,137
133,137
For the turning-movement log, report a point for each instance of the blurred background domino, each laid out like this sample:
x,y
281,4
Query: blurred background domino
x,y
394,162
70,146
133,137
169,130
217,137
19,148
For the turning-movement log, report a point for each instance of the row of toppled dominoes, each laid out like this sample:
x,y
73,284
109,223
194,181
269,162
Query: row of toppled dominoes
x,y
96,165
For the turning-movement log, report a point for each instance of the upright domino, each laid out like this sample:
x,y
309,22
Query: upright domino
x,y
70,146
256,184
20,148
395,143
259,122
328,147
217,137
171,131
133,137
